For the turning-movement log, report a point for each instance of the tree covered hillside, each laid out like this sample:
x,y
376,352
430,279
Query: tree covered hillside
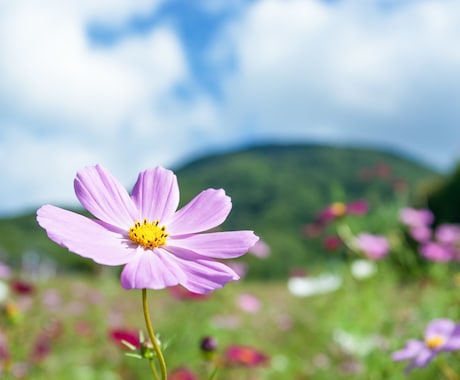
x,y
275,190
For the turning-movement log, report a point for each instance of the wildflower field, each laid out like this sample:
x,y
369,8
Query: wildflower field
x,y
170,294
348,333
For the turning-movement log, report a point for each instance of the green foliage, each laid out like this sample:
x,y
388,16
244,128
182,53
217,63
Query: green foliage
x,y
443,198
275,190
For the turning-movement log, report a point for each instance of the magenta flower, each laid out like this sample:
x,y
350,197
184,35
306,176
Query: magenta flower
x,y
248,303
448,234
416,217
421,234
244,356
337,210
374,247
260,249
159,246
437,252
440,335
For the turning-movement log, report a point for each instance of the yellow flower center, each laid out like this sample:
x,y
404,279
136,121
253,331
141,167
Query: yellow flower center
x,y
434,342
338,209
148,234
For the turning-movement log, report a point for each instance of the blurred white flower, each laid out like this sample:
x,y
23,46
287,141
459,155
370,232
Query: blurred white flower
x,y
356,345
309,286
4,291
361,269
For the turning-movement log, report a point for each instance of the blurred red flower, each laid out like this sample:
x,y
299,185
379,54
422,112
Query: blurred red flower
x,y
131,336
245,356
182,373
21,287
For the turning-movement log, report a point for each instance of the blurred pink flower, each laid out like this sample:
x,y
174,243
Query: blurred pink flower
x,y
420,233
374,247
359,207
437,252
332,243
244,356
248,303
5,272
448,234
158,246
260,249
51,298
182,373
338,209
416,217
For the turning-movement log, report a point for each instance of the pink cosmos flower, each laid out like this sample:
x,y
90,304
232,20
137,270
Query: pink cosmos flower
x,y
260,249
374,247
159,246
448,234
415,217
440,335
437,252
182,373
421,234
337,210
248,303
244,356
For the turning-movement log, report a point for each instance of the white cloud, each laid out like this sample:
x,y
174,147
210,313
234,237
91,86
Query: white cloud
x,y
290,69
350,70
65,103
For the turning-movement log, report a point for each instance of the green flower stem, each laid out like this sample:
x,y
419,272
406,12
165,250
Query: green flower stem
x,y
153,339
213,373
154,369
448,372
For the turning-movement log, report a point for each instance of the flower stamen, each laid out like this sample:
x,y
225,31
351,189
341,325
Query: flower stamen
x,y
148,234
434,342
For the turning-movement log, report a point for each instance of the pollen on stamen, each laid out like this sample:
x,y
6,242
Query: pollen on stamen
x,y
148,234
434,342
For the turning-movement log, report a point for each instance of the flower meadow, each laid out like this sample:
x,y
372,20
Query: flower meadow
x,y
171,300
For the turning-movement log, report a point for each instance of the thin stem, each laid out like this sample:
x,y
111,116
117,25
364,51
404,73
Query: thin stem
x,y
447,371
152,336
213,373
154,369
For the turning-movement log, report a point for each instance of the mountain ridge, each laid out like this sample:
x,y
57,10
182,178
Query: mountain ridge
x,y
275,189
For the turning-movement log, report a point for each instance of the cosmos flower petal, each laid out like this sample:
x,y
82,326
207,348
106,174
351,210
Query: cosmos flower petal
x,y
423,358
83,236
156,193
221,245
443,327
203,276
207,210
153,270
104,197
411,350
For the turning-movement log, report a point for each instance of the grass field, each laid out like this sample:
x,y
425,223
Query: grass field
x,y
348,333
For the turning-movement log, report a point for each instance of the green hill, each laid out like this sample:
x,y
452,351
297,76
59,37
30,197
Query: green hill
x,y
275,190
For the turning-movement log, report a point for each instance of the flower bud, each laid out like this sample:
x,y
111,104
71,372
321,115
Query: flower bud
x,y
208,347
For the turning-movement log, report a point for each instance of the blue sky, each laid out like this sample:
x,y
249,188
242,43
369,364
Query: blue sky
x,y
132,84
